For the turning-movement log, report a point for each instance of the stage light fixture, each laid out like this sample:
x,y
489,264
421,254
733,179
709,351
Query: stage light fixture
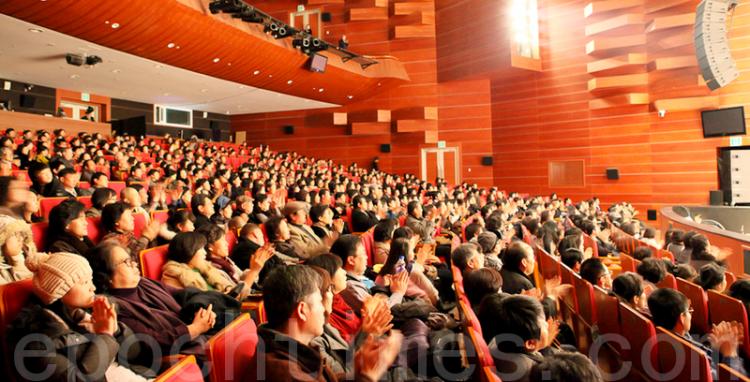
x,y
228,6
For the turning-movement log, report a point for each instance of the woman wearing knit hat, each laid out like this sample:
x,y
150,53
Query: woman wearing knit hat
x,y
74,334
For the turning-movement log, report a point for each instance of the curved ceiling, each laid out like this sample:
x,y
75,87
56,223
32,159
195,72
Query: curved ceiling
x,y
184,34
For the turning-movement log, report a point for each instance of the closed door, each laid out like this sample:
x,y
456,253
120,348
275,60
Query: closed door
x,y
441,162
299,20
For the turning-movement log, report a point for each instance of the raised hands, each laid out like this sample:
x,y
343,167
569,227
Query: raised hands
x,y
104,317
399,282
377,354
261,256
725,337
203,321
376,316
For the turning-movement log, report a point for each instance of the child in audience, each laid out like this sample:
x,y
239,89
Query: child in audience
x,y
628,287
712,277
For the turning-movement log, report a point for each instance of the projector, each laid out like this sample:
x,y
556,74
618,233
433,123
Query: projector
x,y
79,59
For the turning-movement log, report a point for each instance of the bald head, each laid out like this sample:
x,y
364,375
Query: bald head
x,y
131,197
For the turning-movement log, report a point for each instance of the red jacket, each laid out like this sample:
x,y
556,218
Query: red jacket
x,y
344,318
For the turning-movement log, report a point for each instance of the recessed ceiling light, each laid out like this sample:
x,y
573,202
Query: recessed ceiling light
x,y
229,64
170,45
115,71
255,73
349,96
289,82
115,25
217,59
378,83
320,90
227,111
50,44
35,30
106,22
177,47
204,90
270,75
74,76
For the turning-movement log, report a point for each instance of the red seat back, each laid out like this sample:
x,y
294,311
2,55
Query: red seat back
x,y
117,186
95,229
724,308
727,374
679,360
368,241
566,274
639,332
730,277
608,309
13,298
627,263
469,315
86,200
548,265
231,351
669,281
483,354
589,242
664,254
160,216
84,185
186,370
139,221
402,220
585,298
231,239
39,233
699,302
47,204
152,261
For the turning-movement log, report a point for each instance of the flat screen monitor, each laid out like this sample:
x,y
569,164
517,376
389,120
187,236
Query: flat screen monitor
x,y
318,63
723,122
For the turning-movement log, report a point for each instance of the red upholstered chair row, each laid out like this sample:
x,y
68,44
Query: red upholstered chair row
x,y
231,351
13,298
152,261
186,370
589,242
39,232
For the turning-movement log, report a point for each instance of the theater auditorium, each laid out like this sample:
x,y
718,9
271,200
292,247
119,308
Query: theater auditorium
x,y
374,190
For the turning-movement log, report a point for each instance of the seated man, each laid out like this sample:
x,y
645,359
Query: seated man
x,y
653,272
572,258
296,315
69,181
671,310
518,265
466,258
595,272
304,239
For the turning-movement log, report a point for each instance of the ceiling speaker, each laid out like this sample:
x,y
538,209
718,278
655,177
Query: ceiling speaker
x,y
712,44
385,148
325,17
613,174
288,129
486,161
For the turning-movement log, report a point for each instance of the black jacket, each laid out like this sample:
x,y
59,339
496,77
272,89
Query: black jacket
x,y
362,221
515,282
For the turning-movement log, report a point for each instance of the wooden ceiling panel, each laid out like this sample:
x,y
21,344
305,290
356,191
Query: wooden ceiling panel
x,y
146,27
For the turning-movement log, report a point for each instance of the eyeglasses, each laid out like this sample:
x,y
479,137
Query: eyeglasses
x,y
128,261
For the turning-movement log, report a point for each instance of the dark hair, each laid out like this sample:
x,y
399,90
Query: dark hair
x,y
101,196
480,283
462,254
66,171
96,176
272,227
346,246
472,230
684,271
487,313
102,264
666,305
111,214
411,207
399,249
284,289
652,269
570,241
384,230
317,211
571,257
587,226
198,201
212,232
184,246
740,290
177,217
518,316
60,216
514,254
403,232
641,253
627,286
565,367
330,262
710,276
592,270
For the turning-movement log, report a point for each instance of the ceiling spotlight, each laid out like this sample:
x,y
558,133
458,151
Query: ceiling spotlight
x,y
255,73
79,59
115,71
289,82
74,76
204,90
27,87
228,6
277,29
217,59
350,96
249,15
93,60
320,90
170,45
115,25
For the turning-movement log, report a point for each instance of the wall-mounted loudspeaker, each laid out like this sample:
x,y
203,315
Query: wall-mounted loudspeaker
x,y
486,161
651,214
325,17
712,44
288,129
385,148
716,197
613,174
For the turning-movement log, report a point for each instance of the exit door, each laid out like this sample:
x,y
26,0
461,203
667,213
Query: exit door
x,y
441,162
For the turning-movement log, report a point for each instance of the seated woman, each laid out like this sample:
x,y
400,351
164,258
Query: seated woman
x,y
68,230
85,327
653,271
100,198
145,305
277,230
342,316
480,283
703,253
382,237
628,287
401,257
712,277
187,266
118,222
177,221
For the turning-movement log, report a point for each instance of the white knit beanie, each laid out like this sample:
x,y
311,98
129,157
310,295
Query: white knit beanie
x,y
56,273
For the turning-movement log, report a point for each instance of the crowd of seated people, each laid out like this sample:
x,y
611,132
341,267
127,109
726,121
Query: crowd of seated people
x,y
352,264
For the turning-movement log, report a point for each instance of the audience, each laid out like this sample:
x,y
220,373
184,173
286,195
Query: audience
x,y
518,266
628,287
119,223
594,271
712,277
67,230
480,283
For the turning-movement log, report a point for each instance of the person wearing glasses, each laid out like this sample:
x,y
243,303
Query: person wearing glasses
x,y
671,310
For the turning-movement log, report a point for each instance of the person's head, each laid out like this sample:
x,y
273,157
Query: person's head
x,y
628,286
740,290
40,173
62,276
253,233
102,197
519,257
712,277
202,204
216,240
671,310
383,231
68,217
480,283
68,177
321,213
401,250
131,197
488,243
594,271
414,209
296,212
572,258
332,264
181,221
294,304
652,270
565,367
521,323
473,230
187,248
277,229
113,267
642,253
466,257
700,244
99,179
13,193
685,272
118,217
570,241
352,253
487,313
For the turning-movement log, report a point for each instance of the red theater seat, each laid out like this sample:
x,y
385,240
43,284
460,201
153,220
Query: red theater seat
x,y
231,239
679,360
480,347
369,242
47,204
608,309
585,298
231,351
589,242
117,186
86,200
186,370
669,281
699,302
548,265
139,220
628,263
13,298
731,278
39,233
152,261
160,216
724,308
95,229
639,333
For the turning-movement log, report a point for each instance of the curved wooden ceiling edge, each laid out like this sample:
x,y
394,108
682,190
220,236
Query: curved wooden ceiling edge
x,y
183,33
